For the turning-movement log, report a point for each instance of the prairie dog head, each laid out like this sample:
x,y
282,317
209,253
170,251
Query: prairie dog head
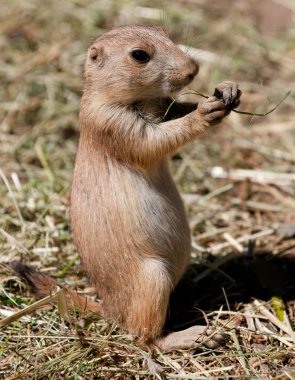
x,y
133,63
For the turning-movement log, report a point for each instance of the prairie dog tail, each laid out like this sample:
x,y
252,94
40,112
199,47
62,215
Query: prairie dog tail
x,y
43,285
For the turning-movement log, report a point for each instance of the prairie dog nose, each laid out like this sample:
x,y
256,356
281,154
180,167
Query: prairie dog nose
x,y
193,69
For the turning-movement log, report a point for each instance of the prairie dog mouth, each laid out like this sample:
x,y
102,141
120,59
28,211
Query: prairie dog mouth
x,y
177,87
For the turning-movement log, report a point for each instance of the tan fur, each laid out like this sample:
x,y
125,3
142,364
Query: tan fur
x,y
127,216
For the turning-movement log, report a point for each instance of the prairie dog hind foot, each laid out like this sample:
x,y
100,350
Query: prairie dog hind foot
x,y
189,338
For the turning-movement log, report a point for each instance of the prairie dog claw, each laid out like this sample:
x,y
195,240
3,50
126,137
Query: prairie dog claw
x,y
228,93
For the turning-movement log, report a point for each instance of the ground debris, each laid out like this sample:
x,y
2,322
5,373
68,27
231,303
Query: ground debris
x,y
237,181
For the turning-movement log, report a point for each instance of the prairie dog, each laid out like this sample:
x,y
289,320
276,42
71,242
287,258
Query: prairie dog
x,y
127,217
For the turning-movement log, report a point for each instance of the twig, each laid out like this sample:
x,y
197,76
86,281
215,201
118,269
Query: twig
x,y
258,363
254,205
29,309
233,242
168,109
224,259
282,155
249,316
241,356
273,319
44,162
242,239
14,241
252,113
267,112
216,192
10,192
259,176
262,329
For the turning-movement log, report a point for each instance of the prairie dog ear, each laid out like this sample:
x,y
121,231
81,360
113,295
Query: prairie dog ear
x,y
96,54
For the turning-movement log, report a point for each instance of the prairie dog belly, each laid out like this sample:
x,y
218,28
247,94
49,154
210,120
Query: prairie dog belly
x,y
127,216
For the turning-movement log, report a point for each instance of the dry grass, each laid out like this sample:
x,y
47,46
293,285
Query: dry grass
x,y
42,49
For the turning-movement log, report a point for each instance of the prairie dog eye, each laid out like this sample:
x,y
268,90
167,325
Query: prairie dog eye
x,y
140,56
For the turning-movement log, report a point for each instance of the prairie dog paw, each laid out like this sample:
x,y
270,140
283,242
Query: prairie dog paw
x,y
228,93
190,337
212,110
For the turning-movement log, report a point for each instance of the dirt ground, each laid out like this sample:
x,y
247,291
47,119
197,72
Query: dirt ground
x,y
237,182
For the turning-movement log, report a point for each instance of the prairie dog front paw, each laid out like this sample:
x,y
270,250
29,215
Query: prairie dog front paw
x,y
229,93
226,97
212,110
